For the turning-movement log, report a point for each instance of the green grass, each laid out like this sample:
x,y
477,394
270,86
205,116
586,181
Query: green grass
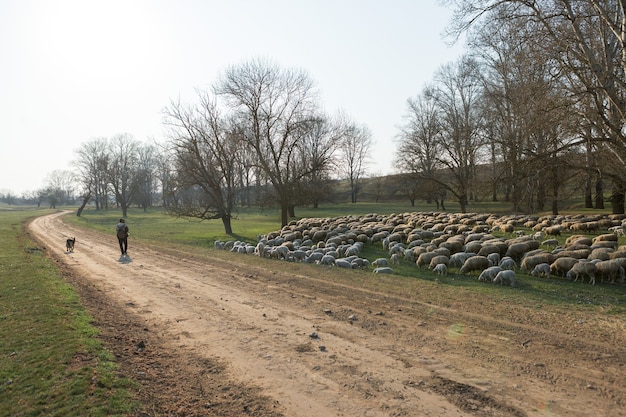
x,y
52,362
155,227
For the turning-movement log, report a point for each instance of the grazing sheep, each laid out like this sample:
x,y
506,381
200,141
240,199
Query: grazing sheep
x,y
517,250
457,259
489,274
327,260
394,259
611,270
550,242
561,266
475,263
618,230
343,263
383,270
508,263
360,263
494,258
380,262
529,262
553,230
439,259
607,237
505,276
582,269
440,269
488,249
602,254
425,258
541,270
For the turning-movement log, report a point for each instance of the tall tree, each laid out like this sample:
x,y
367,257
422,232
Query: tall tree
x,y
92,163
586,40
205,159
354,153
122,169
274,103
456,92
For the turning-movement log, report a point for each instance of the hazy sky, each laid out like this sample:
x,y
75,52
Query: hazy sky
x,y
75,70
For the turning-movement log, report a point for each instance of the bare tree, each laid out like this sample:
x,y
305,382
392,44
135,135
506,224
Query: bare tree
x,y
205,160
122,169
586,40
318,148
92,163
456,92
145,178
274,104
354,153
419,147
61,184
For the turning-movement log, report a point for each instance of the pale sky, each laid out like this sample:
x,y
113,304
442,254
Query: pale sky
x,y
75,70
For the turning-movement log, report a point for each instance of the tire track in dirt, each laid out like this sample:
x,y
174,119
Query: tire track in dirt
x,y
399,357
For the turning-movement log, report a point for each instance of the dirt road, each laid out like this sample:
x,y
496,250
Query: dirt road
x,y
205,336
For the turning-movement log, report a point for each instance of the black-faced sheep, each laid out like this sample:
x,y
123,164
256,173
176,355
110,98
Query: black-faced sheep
x,y
475,263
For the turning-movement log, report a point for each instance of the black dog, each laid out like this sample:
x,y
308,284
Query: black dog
x,y
69,244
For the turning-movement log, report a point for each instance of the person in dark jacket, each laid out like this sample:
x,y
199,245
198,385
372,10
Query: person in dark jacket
x,y
122,235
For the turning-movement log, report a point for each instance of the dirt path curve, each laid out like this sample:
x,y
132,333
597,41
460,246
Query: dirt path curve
x,y
316,348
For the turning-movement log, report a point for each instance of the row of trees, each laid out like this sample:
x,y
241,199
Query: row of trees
x,y
257,137
534,110
121,167
261,128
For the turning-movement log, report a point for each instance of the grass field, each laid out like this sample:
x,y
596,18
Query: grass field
x,y
52,362
155,227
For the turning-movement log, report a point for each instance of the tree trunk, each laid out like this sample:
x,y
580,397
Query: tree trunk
x,y
599,194
617,200
284,214
588,194
228,229
82,206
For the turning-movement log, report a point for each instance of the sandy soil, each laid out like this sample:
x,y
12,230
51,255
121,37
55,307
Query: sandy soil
x,y
204,336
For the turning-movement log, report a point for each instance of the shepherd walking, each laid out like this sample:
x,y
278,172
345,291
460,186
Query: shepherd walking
x,y
122,235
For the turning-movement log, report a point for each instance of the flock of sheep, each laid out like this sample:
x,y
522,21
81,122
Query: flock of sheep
x,y
489,246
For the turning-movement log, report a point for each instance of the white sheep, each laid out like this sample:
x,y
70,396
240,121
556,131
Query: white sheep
x,y
489,274
343,263
394,259
494,258
541,270
508,263
380,262
582,269
383,270
506,275
440,269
